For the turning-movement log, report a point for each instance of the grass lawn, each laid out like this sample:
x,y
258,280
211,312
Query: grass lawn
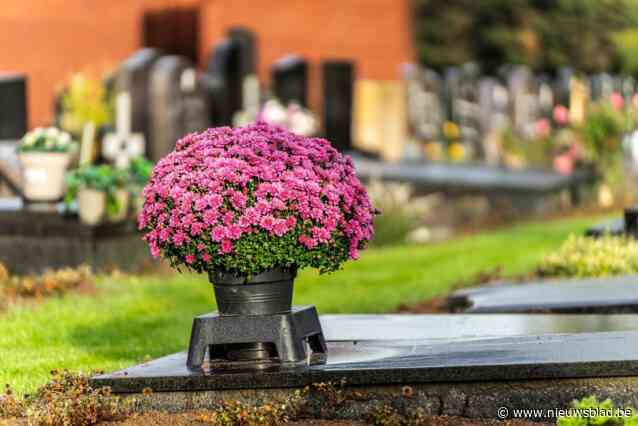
x,y
133,318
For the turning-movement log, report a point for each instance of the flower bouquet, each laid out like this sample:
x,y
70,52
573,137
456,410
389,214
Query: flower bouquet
x,y
44,156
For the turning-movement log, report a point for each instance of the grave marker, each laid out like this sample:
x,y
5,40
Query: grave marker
x,y
13,106
290,80
338,83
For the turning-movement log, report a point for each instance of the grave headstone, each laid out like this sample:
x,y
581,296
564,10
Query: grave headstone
x,y
467,111
578,100
133,77
178,104
290,80
246,44
121,146
593,296
380,118
13,106
545,97
524,103
224,83
338,88
602,86
494,116
425,111
627,225
562,86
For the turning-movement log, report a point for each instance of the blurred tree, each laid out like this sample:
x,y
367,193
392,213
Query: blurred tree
x,y
544,34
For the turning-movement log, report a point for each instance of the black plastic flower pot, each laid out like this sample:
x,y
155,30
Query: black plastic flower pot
x,y
263,294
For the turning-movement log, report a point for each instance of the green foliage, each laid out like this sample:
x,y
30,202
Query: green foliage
x,y
140,170
592,257
543,34
601,134
103,178
591,412
85,101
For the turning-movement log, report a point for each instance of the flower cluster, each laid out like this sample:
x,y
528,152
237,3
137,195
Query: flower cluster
x,y
46,140
252,198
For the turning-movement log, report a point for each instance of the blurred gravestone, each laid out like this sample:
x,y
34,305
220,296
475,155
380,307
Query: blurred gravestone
x,y
244,40
562,86
13,106
494,116
425,111
523,99
224,83
545,97
467,110
290,80
338,81
451,83
628,88
133,77
178,104
602,86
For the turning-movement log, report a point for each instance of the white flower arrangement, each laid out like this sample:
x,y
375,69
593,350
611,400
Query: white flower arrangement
x,y
48,139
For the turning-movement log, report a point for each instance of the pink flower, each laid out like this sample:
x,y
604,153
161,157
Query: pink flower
x,y
218,233
564,164
205,257
267,222
617,101
226,246
234,232
189,258
280,227
543,128
561,114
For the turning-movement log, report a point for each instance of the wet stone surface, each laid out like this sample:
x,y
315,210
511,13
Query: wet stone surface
x,y
595,296
394,349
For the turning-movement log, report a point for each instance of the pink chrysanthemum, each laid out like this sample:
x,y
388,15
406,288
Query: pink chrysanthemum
x,y
252,198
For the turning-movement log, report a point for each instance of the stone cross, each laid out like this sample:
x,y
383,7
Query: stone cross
x,y
121,146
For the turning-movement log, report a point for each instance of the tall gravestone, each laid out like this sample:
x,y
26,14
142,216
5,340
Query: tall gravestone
x,y
178,104
467,110
545,96
13,106
133,76
601,86
523,99
425,111
223,82
245,41
338,84
290,80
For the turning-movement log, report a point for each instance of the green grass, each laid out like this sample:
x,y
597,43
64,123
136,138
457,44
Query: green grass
x,y
137,317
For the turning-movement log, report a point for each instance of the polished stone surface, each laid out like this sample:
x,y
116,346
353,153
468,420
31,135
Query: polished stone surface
x,y
395,349
610,227
599,295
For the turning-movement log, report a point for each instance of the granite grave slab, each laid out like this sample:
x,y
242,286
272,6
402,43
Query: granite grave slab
x,y
626,225
596,295
393,349
33,241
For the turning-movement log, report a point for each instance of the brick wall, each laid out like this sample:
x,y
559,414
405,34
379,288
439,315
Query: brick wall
x,y
376,34
51,39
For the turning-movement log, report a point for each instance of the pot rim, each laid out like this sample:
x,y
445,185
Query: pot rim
x,y
220,277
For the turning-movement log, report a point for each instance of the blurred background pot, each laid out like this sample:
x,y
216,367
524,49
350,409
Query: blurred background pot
x,y
43,175
122,197
91,206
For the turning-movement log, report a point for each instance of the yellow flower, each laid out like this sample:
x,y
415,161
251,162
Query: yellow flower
x,y
450,130
456,151
434,151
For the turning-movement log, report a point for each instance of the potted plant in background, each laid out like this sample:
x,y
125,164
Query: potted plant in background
x,y
44,156
250,207
97,190
140,172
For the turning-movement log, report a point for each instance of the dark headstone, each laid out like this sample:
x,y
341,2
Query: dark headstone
x,y
627,225
174,30
245,42
13,106
290,80
338,80
33,242
383,350
599,295
178,104
133,76
224,82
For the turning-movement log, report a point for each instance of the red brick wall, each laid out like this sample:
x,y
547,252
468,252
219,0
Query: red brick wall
x,y
51,39
376,34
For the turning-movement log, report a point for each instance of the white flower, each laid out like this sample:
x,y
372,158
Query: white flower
x,y
38,132
64,139
29,139
52,133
